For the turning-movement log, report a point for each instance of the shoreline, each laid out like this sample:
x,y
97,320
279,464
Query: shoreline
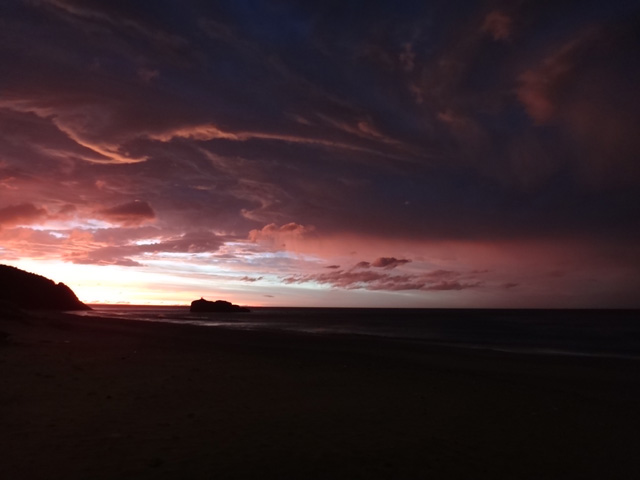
x,y
110,398
238,323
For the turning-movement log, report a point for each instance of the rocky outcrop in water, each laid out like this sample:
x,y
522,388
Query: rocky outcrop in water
x,y
221,306
33,292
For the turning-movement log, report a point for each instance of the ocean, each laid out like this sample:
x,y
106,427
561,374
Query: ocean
x,y
606,333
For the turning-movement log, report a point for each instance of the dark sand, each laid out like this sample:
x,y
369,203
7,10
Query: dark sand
x,y
82,398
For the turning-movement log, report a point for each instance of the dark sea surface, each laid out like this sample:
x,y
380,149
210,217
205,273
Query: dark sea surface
x,y
610,333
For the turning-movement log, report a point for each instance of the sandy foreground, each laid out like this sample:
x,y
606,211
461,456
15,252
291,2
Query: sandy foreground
x,y
85,398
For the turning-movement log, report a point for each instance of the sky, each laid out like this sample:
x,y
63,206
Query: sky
x,y
361,154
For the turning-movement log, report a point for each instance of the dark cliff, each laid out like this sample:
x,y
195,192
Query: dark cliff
x,y
34,292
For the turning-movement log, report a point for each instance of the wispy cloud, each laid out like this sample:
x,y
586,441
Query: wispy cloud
x,y
76,124
376,280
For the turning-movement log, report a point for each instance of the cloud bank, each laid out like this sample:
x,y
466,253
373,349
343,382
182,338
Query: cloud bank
x,y
268,139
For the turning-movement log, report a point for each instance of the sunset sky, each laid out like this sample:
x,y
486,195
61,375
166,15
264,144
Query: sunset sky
x,y
367,153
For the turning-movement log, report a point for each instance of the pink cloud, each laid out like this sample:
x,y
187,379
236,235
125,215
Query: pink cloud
x,y
192,242
280,237
29,240
204,132
125,254
103,259
294,228
121,236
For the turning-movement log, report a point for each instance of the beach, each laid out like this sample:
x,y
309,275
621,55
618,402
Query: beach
x,y
104,398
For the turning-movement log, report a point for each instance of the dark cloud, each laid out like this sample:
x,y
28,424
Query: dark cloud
x,y
362,264
67,210
273,149
582,88
342,279
129,213
498,25
452,286
250,279
286,123
388,262
24,213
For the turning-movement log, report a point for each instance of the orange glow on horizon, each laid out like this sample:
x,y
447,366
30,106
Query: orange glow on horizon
x,y
346,271
114,285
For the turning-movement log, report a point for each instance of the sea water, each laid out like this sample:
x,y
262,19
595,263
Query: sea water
x,y
614,333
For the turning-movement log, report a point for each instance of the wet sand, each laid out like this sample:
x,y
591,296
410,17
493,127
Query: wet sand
x,y
86,398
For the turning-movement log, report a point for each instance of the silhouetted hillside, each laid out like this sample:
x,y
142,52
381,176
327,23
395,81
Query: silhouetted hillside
x,y
34,292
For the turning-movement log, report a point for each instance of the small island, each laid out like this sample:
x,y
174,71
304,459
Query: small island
x,y
220,306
